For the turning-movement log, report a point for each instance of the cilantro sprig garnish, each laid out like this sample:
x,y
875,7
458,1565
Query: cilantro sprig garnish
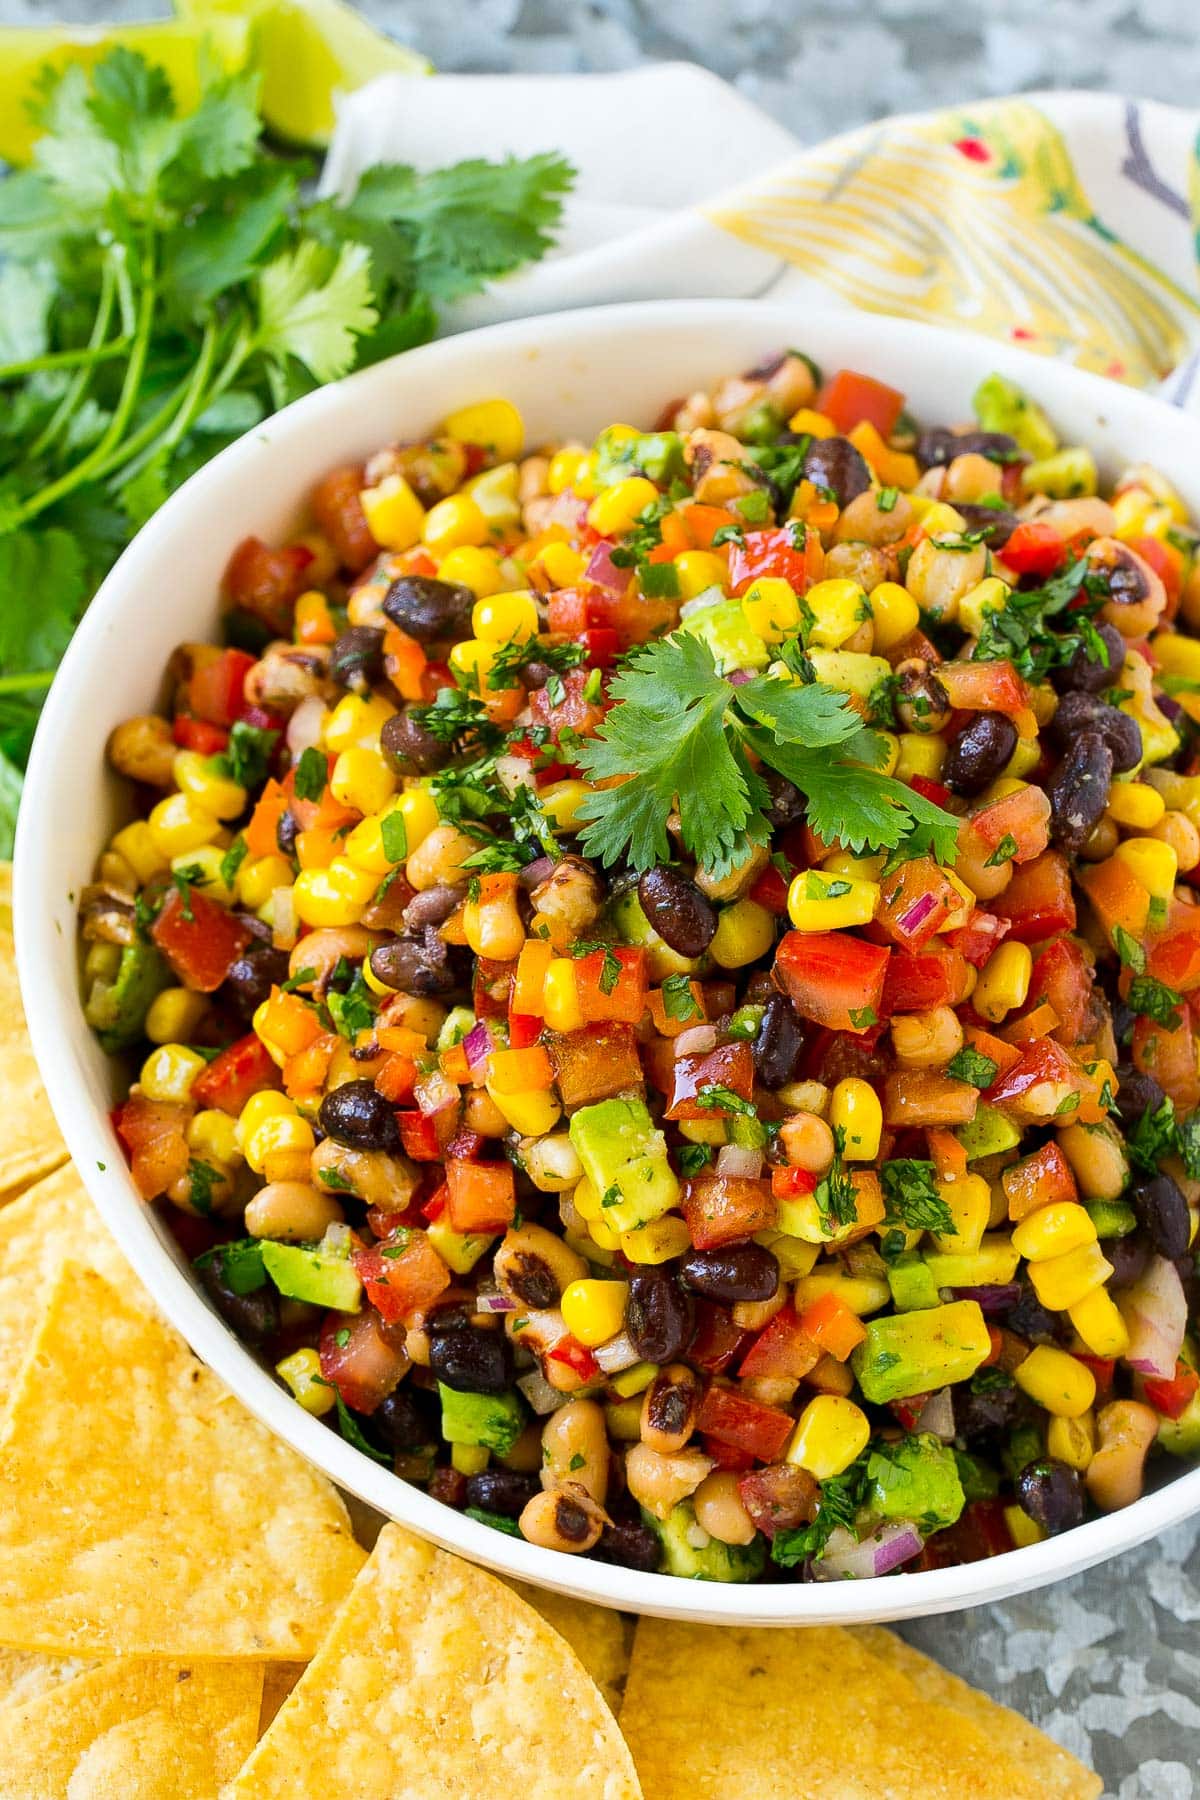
x,y
685,739
1020,631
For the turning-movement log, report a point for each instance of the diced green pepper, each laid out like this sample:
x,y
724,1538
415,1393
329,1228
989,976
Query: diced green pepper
x,y
303,1272
1001,405
658,454
916,1479
1112,1218
117,1010
1064,476
916,1352
494,1421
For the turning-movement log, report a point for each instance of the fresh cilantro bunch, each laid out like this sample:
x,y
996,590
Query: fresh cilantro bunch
x,y
684,739
165,283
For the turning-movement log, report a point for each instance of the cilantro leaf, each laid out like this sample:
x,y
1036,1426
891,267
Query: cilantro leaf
x,y
312,772
911,1198
973,1066
247,755
1154,1000
312,306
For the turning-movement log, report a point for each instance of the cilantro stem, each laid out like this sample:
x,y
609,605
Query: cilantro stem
x,y
192,397
78,388
64,359
26,683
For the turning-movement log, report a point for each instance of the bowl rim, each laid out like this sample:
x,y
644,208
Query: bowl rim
x,y
58,1029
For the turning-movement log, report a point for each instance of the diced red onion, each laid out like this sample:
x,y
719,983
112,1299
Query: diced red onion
x,y
739,1162
542,1398
917,913
937,1415
995,1299
617,1354
1169,706
304,726
477,1045
534,873
697,1040
337,1240
603,572
885,1549
1155,1310
434,1092
494,1303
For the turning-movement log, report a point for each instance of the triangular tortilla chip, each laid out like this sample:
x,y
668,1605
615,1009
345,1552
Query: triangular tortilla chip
x,y
143,1512
732,1713
438,1680
32,1144
600,1637
24,1674
53,1222
1062,1776
137,1730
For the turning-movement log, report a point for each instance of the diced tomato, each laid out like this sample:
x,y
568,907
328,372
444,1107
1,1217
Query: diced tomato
x,y
482,1197
418,1134
1020,822
729,1066
1171,1397
850,399
789,1183
984,687
608,993
202,948
725,1456
267,583
724,1209
1037,1085
524,1030
915,903
1038,1180
716,1341
1038,902
923,1097
769,889
1171,1057
733,1418
1103,1369
781,1497
936,791
401,1274
1166,562
1174,952
152,1131
785,553
782,1350
572,710
216,693
395,1077
594,1063
1035,549
1062,977
919,980
338,511
602,646
629,617
980,935
362,1356
980,1532
833,978
567,612
234,1075
199,735
492,992
575,1356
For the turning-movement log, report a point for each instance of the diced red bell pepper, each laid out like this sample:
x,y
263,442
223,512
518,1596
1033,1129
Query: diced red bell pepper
x,y
729,1066
1171,1057
199,735
785,553
605,993
1035,549
1103,1368
781,1497
362,1356
418,1135
493,987
152,1131
1174,952
919,980
715,1341
481,1197
850,399
1022,818
524,1030
202,948
924,1097
830,1324
769,889
602,646
594,1063
1062,977
1038,902
726,1456
725,1209
833,978
1171,1397
980,1532
733,1418
782,1350
1167,564
935,791
401,1274
789,1183
267,583
916,900
1038,1180
575,1356
630,617
980,935
239,1071
216,691
338,511
572,710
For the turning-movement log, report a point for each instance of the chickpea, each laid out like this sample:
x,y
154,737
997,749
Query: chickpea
x,y
551,1162
566,1518
1176,829
531,477
862,522
771,1390
571,895
756,1315
975,866
1097,1160
286,674
218,1194
1102,841
388,1182
660,1482
971,477
416,1014
790,384
481,1114
1138,596
927,1040
922,704
532,1266
715,459
144,749
1125,1430
1085,515
669,1408
440,858
736,399
719,1509
322,950
808,1141
860,563
293,1211
575,1448
937,576
694,414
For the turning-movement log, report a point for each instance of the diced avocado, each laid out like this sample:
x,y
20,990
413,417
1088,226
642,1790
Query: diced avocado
x,y
1064,476
1025,1445
1001,405
916,1479
979,1482
648,1187
494,1421
1112,1218
658,454
305,1272
689,1551
116,1010
850,671
625,1159
988,1134
915,1352
459,1250
913,1287
725,628
1181,1436
239,1265
633,927
994,1263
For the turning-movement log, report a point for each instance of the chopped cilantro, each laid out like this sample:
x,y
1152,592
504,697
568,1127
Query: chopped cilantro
x,y
973,1066
911,1198
310,774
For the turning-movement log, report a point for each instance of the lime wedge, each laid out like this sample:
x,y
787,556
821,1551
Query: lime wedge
x,y
173,44
308,51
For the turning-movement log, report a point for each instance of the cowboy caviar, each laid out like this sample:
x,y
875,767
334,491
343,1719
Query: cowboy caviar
x,y
660,973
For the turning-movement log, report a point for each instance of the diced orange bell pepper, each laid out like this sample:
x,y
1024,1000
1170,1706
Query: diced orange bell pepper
x,y
1002,1054
704,522
895,468
849,397
665,1023
830,1323
305,1072
1036,1181
612,985
480,1196
404,662
948,1156
521,1071
288,1023
1041,1021
396,1077
530,978
1117,896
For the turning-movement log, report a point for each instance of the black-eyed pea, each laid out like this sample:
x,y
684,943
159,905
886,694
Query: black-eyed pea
x,y
293,1211
669,1408
533,1266
565,1518
660,1482
575,1448
1125,1430
719,1509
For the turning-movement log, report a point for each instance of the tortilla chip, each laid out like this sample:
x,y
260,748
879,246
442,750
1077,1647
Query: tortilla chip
x,y
600,1637
143,1512
141,1730
438,1680
53,1221
32,1144
1062,1776
24,1674
731,1713
278,1681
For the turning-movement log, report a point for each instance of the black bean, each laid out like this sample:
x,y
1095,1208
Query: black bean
x,y
1087,673
419,965
1051,1492
428,609
254,1317
1078,712
287,830
536,674
631,1545
1137,1093
939,446
503,1491
779,1045
408,748
1078,790
406,1419
471,1361
979,753
356,659
995,523
1030,1319
357,1115
786,804
1128,1256
835,464
994,1408
684,918
734,1272
658,1317
1162,1212
431,907
257,970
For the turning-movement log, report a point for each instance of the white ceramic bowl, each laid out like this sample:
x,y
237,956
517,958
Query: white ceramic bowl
x,y
569,374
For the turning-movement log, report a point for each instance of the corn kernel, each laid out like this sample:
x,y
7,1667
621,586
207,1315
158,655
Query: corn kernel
x,y
745,931
179,824
861,868
560,996
469,1459
564,467
362,780
279,1133
1024,759
355,723
1053,1230
1003,983
203,869
268,1103
364,846
418,808
314,850
1061,1282
562,565
394,515
533,1115
838,608
200,777
1023,1530
772,609
302,1373
471,659
594,1311
1072,1441
258,878
657,1242
503,617
213,1135
174,1015
615,510
920,755
830,1435
817,902
137,844
321,898
812,423
1097,1318
1131,510
969,1202
1136,805
699,570
471,568
495,492
894,612
496,424
562,800
1059,1382
168,1073
454,523
1154,863
987,596
939,519
703,1131
854,1109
